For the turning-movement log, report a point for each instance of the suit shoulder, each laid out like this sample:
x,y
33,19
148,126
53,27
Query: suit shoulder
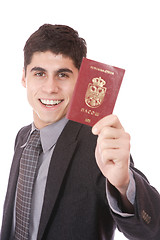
x,y
22,133
87,131
24,130
83,129
84,133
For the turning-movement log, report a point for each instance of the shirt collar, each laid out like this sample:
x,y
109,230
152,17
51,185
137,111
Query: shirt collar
x,y
50,134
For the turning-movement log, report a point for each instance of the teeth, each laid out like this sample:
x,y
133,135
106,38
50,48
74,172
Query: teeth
x,y
50,102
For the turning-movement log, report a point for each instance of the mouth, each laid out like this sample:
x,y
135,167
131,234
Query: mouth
x,y
50,103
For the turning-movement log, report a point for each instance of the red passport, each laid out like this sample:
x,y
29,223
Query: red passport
x,y
95,92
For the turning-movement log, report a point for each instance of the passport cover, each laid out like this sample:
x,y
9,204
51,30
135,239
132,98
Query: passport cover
x,y
95,92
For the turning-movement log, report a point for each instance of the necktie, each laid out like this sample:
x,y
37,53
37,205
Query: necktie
x,y
27,172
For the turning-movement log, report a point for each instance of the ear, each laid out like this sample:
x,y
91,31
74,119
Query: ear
x,y
23,79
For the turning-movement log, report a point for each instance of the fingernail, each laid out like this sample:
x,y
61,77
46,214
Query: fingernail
x,y
94,130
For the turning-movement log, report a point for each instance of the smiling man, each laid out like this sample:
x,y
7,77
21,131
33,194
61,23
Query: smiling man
x,y
68,181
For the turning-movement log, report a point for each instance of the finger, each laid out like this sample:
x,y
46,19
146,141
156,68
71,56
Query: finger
x,y
116,156
110,133
109,144
108,155
110,120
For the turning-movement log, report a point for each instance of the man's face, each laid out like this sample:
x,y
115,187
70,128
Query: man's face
x,y
50,81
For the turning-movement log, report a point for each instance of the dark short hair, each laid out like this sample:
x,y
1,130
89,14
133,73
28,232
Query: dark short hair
x,y
59,39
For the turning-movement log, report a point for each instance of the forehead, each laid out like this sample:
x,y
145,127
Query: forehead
x,y
49,60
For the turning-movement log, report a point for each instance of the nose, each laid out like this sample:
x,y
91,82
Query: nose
x,y
51,85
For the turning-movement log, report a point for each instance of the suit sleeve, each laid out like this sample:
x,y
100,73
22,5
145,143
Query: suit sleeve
x,y
145,224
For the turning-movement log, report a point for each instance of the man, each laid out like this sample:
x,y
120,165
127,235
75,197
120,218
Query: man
x,y
85,183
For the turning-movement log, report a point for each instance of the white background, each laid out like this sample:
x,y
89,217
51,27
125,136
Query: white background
x,y
121,33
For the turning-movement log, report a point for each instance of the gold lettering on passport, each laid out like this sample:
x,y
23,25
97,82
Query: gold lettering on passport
x,y
95,92
87,120
102,70
90,112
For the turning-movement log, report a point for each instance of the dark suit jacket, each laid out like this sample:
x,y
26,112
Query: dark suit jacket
x,y
75,205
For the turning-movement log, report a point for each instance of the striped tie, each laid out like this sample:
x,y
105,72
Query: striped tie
x,y
27,172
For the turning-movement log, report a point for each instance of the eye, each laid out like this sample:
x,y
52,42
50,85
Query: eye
x,y
63,75
40,74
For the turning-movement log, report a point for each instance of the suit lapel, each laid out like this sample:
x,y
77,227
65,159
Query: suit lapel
x,y
61,158
10,195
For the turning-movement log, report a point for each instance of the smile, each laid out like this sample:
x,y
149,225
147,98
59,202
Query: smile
x,y
50,103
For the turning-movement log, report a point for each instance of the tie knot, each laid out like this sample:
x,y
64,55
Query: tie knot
x,y
34,139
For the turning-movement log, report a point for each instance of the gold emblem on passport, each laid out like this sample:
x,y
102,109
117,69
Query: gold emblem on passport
x,y
95,92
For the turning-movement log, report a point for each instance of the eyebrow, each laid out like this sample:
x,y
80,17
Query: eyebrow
x,y
58,71
64,70
38,69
